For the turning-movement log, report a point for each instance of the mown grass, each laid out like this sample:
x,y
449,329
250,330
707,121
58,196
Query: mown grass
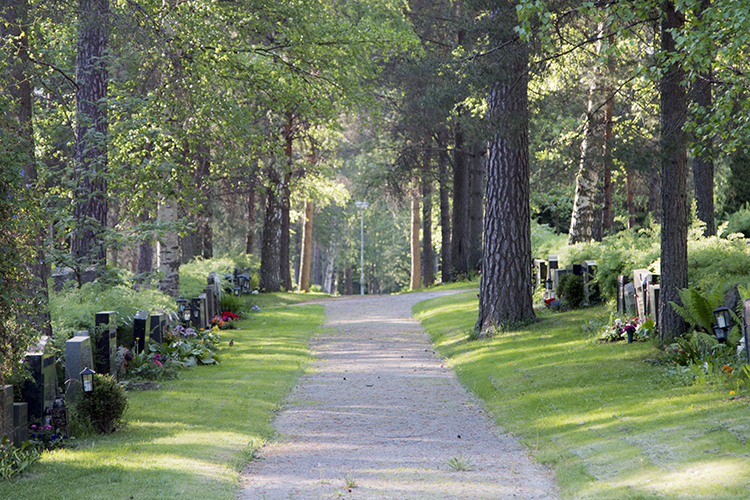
x,y
191,438
605,417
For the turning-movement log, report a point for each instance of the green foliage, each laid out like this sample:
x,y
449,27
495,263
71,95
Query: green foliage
x,y
233,303
697,307
188,347
146,365
15,461
193,275
105,406
737,222
459,463
570,290
74,309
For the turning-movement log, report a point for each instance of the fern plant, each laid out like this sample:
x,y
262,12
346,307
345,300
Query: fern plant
x,y
697,308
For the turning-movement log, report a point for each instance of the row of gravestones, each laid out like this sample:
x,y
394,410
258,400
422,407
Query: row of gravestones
x,y
639,295
82,351
547,274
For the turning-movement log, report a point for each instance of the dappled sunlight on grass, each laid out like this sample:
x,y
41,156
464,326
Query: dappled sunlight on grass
x,y
608,421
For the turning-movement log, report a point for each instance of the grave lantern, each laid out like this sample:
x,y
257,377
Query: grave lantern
x,y
183,311
723,323
87,379
195,309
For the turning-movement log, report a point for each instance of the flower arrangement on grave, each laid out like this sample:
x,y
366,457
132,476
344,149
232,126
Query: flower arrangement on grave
x,y
632,329
188,346
44,437
225,320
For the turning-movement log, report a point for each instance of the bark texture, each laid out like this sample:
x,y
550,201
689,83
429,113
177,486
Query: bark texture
x,y
506,291
270,271
674,204
476,205
428,256
90,207
446,274
250,237
168,251
306,254
460,222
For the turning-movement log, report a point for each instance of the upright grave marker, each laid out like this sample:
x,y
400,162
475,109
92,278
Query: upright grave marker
x,y
77,357
159,326
106,342
141,330
39,390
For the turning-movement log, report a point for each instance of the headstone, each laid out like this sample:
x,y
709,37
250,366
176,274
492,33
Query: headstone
x,y
60,417
20,423
39,390
62,275
590,287
641,280
540,272
577,269
6,411
556,273
141,330
195,318
622,280
105,349
77,357
630,301
653,302
746,326
211,309
552,262
204,311
159,326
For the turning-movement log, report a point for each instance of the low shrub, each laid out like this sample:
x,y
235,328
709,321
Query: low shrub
x,y
189,347
147,365
14,461
103,407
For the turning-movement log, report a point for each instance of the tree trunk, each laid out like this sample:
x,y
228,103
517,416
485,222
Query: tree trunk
x,y
205,232
609,109
476,205
90,206
306,254
460,227
654,196
348,288
145,251
250,237
285,272
428,259
506,290
630,199
416,263
168,250
446,273
270,267
703,164
674,182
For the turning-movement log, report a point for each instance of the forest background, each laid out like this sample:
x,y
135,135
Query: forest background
x,y
139,135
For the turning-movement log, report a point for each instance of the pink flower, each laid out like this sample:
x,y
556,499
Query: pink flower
x,y
158,363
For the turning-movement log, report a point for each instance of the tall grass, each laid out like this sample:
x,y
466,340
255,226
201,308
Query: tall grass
x,y
611,419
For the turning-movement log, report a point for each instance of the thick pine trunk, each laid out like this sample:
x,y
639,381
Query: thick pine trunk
x,y
270,268
506,292
285,272
416,264
90,208
145,251
446,271
428,258
250,237
674,203
306,254
476,206
168,250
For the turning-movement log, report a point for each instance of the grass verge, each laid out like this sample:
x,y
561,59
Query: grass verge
x,y
611,423
191,438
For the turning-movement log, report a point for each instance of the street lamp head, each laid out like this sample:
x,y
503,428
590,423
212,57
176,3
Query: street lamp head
x,y
361,204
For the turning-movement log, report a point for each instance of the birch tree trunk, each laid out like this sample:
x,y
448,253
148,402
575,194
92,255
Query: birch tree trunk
x,y
416,264
506,291
306,254
270,269
168,250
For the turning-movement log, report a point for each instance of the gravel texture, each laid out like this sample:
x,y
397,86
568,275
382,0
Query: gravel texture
x,y
380,416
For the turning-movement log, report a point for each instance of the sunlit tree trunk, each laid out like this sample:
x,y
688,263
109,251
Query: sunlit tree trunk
x,y
306,254
416,264
428,264
505,292
446,274
270,268
168,250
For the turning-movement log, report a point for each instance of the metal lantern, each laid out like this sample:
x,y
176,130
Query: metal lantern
x,y
724,322
183,311
195,307
87,379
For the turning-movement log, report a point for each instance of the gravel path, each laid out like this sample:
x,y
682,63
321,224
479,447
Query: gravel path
x,y
379,417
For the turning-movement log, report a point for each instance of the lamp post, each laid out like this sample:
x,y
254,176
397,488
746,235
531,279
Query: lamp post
x,y
361,205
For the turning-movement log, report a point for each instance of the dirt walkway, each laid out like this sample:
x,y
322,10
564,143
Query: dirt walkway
x,y
380,416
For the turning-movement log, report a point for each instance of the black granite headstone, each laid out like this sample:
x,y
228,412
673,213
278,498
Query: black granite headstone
x,y
39,390
159,325
106,342
141,330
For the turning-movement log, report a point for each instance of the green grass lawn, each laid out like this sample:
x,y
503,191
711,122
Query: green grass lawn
x,y
191,438
605,417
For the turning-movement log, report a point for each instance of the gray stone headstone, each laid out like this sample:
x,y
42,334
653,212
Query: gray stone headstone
x,y
653,302
556,273
630,300
552,261
39,390
6,411
204,311
590,288
622,280
195,319
141,330
105,348
77,357
639,277
20,423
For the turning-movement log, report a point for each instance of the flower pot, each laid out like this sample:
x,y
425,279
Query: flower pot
x,y
630,337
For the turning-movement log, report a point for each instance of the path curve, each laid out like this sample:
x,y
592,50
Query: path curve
x,y
379,416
